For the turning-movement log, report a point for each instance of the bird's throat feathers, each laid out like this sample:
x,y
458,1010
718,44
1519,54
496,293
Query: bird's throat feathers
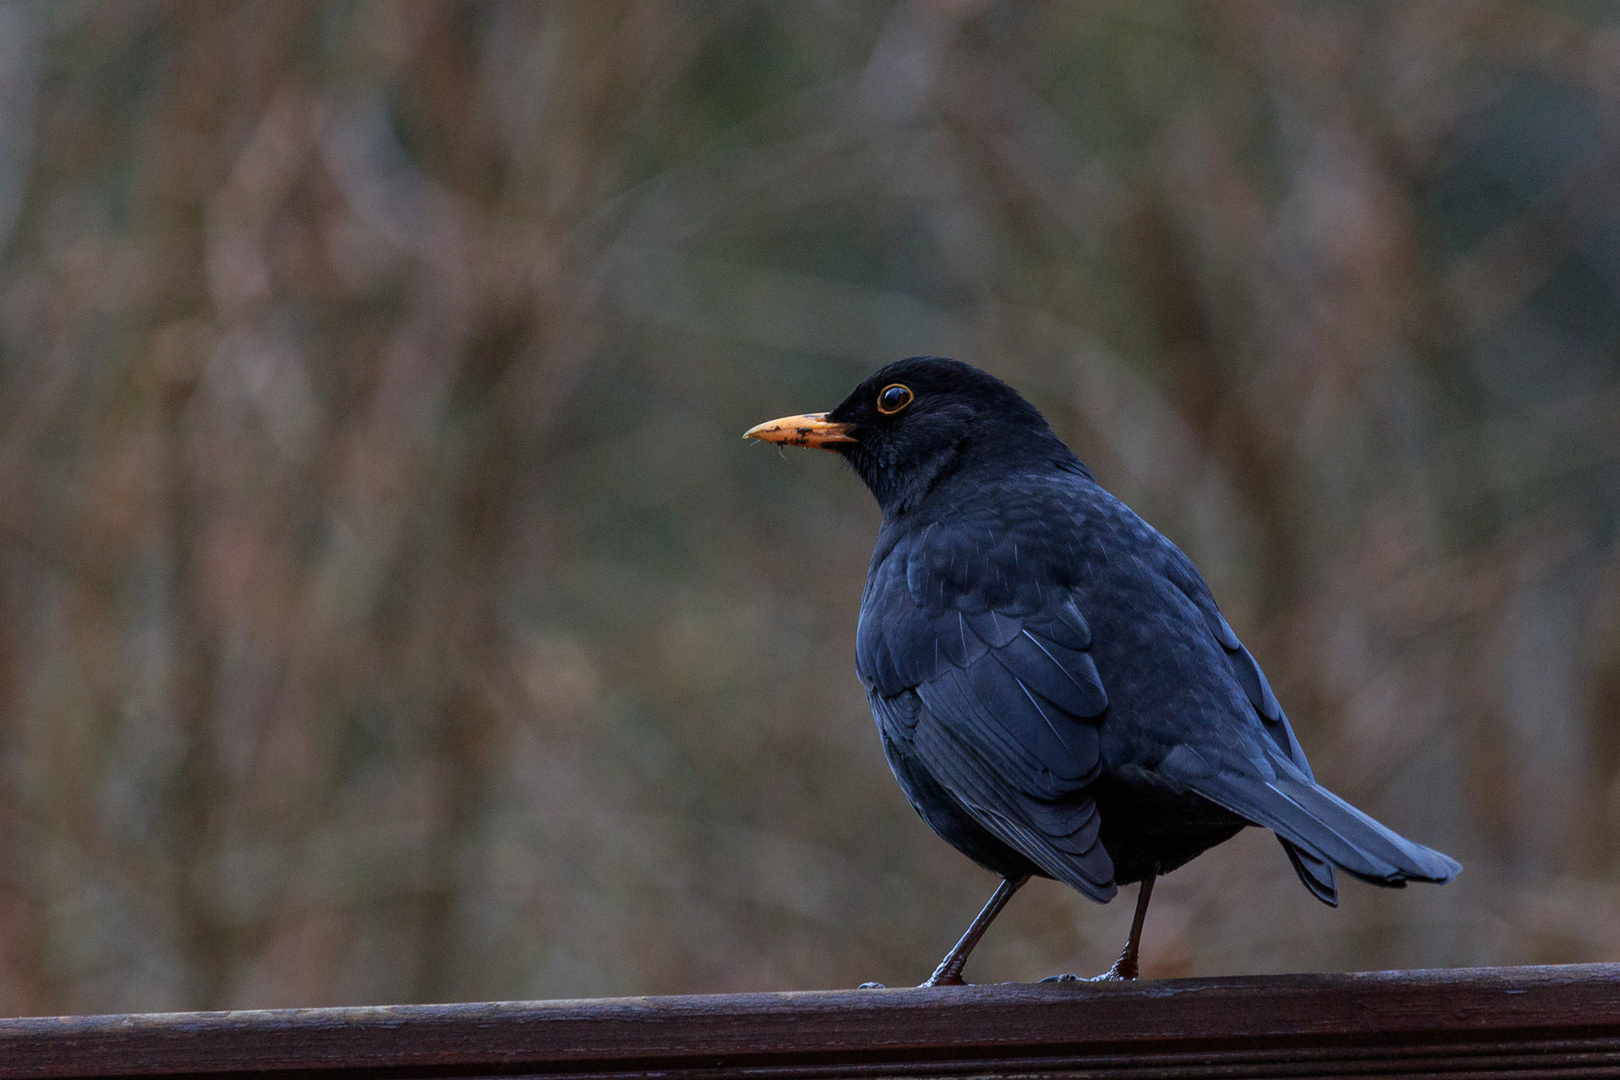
x,y
903,478
900,486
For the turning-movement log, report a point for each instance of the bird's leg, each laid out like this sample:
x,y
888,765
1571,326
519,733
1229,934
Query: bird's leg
x,y
949,972
1125,966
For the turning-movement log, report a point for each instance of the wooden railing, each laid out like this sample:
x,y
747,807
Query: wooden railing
x,y
1485,1022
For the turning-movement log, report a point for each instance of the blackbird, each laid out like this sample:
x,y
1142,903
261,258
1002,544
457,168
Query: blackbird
x,y
1055,688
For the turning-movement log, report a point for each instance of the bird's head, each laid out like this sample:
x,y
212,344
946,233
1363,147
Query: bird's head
x,y
917,421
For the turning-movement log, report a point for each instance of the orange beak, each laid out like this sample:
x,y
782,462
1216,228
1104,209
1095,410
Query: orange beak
x,y
812,430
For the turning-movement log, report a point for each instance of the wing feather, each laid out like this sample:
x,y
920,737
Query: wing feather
x,y
1010,693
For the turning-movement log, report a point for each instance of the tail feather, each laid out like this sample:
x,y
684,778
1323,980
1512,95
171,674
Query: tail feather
x,y
1323,828
1410,861
1315,874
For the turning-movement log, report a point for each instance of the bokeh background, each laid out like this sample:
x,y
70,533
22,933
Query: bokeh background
x,y
390,611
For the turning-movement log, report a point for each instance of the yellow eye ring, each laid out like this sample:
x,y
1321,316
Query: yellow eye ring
x,y
892,398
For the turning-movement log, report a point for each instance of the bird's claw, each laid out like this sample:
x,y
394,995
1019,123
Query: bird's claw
x,y
871,986
1124,970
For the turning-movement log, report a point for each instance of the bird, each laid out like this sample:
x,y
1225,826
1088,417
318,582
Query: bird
x,y
1055,689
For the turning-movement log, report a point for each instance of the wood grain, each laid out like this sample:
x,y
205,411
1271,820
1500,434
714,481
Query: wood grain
x,y
1485,1022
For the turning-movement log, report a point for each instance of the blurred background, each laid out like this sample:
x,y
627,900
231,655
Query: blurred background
x,y
390,610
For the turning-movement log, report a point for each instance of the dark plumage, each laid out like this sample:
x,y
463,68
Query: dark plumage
x,y
1055,688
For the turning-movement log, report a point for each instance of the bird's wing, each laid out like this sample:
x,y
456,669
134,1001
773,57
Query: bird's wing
x,y
1000,661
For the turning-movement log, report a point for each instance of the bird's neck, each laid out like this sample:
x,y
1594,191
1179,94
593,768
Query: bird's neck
x,y
969,483
900,492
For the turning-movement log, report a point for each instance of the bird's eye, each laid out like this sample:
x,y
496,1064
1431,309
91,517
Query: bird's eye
x,y
893,398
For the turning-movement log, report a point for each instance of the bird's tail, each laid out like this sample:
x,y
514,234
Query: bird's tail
x,y
1315,874
1318,828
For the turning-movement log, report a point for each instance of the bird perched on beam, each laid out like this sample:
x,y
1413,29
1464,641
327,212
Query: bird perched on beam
x,y
1056,690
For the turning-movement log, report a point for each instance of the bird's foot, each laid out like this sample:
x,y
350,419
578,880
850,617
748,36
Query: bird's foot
x,y
1124,970
950,979
871,986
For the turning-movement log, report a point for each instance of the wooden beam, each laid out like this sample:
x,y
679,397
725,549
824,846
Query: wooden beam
x,y
1482,1022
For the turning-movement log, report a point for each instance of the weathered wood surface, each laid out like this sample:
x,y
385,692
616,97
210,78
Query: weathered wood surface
x,y
1486,1022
